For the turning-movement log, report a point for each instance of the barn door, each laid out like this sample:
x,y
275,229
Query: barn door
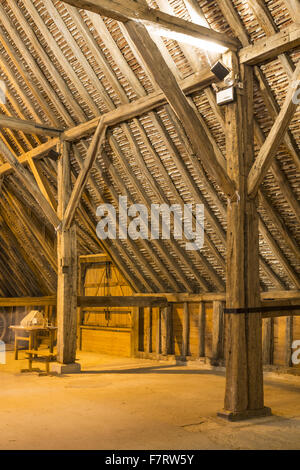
x,y
106,330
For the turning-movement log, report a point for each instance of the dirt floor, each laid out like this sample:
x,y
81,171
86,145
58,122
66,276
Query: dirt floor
x,y
117,403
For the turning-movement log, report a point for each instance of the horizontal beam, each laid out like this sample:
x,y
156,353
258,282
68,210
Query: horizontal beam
x,y
82,178
266,297
221,296
28,127
122,301
123,113
271,46
190,298
30,185
281,295
157,20
28,301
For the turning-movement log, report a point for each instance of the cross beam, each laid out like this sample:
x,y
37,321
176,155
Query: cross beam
x,y
274,139
28,127
271,46
125,10
117,116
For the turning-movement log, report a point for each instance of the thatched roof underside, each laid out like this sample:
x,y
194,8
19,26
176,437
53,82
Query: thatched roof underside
x,y
64,66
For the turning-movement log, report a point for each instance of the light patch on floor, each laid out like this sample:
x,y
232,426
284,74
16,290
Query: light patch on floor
x,y
117,403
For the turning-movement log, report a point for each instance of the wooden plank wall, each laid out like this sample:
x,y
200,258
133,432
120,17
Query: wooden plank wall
x,y
186,324
105,332
296,333
286,331
202,334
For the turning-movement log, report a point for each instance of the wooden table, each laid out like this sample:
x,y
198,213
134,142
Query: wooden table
x,y
32,337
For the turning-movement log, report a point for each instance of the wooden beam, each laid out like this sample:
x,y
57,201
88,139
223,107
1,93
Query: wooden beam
x,y
294,313
281,295
278,222
51,92
274,109
201,329
82,178
268,341
289,327
272,46
42,182
163,23
272,295
238,29
294,9
274,139
161,74
116,301
292,274
118,115
34,228
135,315
28,127
218,330
211,191
138,285
166,313
30,185
165,299
265,20
51,69
67,266
148,312
28,301
244,374
185,331
179,251
157,320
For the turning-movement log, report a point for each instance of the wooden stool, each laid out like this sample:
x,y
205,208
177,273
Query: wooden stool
x,y
39,356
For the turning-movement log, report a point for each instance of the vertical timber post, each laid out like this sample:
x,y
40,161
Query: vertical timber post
x,y
149,326
135,314
201,329
158,332
185,331
289,341
67,266
244,396
165,330
268,341
217,334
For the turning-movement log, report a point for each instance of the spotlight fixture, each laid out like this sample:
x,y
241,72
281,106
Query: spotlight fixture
x,y
220,70
226,96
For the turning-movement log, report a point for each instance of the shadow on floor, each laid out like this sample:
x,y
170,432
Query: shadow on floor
x,y
168,369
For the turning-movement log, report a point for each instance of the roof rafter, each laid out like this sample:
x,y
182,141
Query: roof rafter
x,y
116,116
272,46
30,184
294,10
265,20
81,181
28,127
124,10
274,139
157,68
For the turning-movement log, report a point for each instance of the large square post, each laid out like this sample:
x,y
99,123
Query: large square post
x,y
244,395
67,266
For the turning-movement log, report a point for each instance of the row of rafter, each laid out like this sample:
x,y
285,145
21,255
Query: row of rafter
x,y
115,81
